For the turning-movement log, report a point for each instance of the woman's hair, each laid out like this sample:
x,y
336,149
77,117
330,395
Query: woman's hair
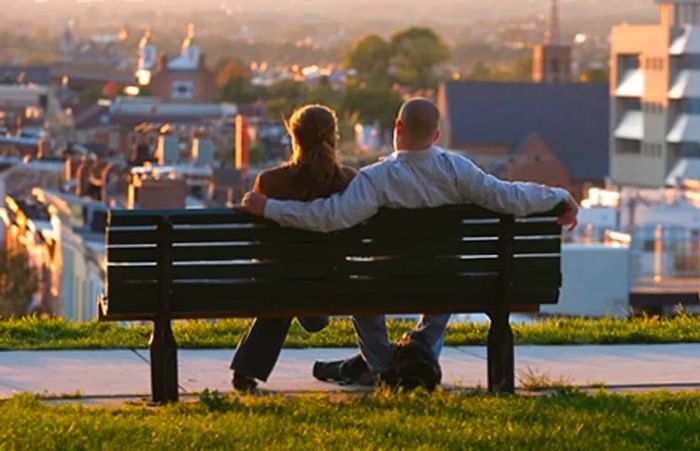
x,y
314,132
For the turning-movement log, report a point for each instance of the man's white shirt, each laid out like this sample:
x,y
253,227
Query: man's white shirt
x,y
415,179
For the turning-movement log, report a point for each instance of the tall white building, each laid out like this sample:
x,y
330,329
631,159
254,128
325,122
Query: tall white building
x,y
655,95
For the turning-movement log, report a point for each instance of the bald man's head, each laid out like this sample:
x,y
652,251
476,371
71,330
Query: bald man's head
x,y
420,119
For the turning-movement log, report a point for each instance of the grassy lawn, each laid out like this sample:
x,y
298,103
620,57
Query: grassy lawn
x,y
379,421
43,333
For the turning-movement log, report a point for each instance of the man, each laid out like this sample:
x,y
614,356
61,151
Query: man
x,y
417,175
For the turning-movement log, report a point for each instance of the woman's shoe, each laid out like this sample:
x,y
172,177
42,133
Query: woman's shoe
x,y
244,383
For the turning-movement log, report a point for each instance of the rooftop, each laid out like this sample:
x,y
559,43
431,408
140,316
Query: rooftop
x,y
572,119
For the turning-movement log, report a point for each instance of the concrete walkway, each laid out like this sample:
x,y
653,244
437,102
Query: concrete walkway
x,y
126,373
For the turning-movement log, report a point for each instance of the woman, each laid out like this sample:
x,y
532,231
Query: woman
x,y
313,171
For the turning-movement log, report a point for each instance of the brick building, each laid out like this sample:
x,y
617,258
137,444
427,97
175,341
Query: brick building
x,y
185,77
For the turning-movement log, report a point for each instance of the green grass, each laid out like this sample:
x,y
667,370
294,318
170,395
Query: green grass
x,y
381,420
45,333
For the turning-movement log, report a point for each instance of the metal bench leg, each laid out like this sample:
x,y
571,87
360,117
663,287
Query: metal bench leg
x,y
164,386
501,361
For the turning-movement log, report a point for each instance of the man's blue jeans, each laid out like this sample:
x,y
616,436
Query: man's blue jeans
x,y
374,342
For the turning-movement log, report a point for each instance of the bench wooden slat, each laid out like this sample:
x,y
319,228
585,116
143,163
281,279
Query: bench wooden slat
x,y
549,228
228,216
264,233
279,235
225,216
537,246
133,254
305,269
193,291
404,304
138,301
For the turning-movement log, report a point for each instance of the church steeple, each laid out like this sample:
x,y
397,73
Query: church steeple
x,y
552,35
551,61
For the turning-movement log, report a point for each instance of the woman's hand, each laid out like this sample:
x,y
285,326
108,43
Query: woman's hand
x,y
254,203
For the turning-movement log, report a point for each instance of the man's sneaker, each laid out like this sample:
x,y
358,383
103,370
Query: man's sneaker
x,y
243,383
350,371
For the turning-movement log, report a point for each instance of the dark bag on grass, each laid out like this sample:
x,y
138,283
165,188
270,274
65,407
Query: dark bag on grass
x,y
414,366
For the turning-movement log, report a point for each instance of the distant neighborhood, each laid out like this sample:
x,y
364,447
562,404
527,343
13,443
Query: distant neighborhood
x,y
118,122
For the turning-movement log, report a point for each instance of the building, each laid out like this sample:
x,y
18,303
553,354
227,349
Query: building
x,y
655,95
118,126
551,61
184,78
93,62
23,75
554,133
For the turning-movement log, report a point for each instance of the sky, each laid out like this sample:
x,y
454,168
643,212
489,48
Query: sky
x,y
436,10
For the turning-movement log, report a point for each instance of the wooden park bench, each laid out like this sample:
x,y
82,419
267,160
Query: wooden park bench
x,y
182,264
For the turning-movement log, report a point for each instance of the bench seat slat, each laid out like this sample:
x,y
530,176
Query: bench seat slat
x,y
139,297
190,299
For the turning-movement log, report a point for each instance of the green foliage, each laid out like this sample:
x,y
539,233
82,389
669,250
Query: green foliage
x,y
372,104
213,401
56,333
534,380
283,97
234,79
239,90
382,420
409,58
415,53
520,70
18,282
256,154
370,56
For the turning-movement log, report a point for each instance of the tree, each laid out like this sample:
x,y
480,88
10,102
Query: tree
x,y
234,80
372,104
370,56
18,282
479,71
521,70
232,68
416,53
283,97
239,90
325,95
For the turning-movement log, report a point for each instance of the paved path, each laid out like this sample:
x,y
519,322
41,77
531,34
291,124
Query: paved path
x,y
126,373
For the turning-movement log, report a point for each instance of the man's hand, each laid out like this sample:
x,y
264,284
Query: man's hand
x,y
569,218
254,203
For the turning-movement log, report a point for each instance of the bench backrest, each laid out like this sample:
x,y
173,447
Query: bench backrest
x,y
218,263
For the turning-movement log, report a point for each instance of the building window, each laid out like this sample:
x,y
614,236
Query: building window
x,y
692,106
114,140
183,90
555,65
690,150
629,146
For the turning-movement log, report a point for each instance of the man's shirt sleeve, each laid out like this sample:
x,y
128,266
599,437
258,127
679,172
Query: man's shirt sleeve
x,y
517,198
360,201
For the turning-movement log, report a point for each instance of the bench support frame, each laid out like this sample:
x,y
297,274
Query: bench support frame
x,y
164,384
500,353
